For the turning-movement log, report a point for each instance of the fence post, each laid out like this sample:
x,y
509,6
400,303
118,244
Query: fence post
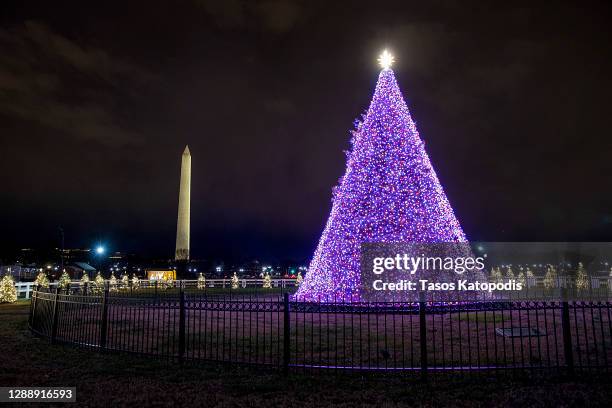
x,y
567,334
33,308
104,321
286,333
55,316
423,334
182,323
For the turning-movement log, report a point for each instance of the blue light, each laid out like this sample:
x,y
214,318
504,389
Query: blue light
x,y
100,250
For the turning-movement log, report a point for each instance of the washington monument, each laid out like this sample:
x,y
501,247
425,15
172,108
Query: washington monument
x,y
184,209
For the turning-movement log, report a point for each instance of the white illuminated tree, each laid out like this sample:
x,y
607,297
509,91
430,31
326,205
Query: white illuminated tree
x,y
267,281
235,281
125,282
582,279
84,279
112,283
201,281
521,278
98,284
8,291
299,279
496,275
64,281
42,280
135,282
510,273
550,279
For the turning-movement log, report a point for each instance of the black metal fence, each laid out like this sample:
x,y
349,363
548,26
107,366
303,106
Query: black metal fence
x,y
267,327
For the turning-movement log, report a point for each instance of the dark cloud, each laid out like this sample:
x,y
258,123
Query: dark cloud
x,y
277,16
50,80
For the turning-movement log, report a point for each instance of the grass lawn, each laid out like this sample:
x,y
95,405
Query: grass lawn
x,y
109,380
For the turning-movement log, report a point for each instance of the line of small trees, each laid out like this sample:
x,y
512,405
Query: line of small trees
x,y
551,278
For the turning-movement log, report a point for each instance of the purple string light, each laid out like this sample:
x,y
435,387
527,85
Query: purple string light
x,y
389,193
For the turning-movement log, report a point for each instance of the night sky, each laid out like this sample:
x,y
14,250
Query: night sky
x,y
99,99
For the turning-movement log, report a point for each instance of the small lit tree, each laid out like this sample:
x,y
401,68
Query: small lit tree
x,y
496,275
84,279
529,278
42,280
299,279
98,284
64,281
125,282
235,281
112,283
550,279
267,281
510,273
520,278
582,279
135,282
8,291
201,281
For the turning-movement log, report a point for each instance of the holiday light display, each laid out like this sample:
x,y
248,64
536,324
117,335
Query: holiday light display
x,y
84,279
582,279
550,279
267,281
389,193
125,282
496,275
98,284
64,281
8,291
112,283
135,282
201,281
235,281
42,280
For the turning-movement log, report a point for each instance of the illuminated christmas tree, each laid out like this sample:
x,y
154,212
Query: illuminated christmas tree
x,y
267,281
582,279
135,282
125,282
84,279
42,280
521,278
64,281
496,275
550,279
8,292
98,284
112,283
389,193
235,281
201,281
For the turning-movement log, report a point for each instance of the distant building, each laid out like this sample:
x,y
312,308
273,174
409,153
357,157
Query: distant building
x,y
20,272
161,274
76,270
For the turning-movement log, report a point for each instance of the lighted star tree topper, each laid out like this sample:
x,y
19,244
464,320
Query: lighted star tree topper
x,y
389,193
